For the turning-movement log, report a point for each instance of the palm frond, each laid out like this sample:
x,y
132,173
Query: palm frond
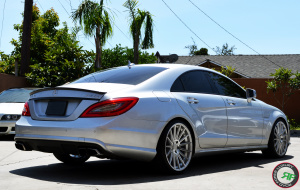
x,y
148,27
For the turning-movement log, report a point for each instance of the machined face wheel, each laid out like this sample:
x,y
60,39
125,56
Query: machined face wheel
x,y
280,138
178,147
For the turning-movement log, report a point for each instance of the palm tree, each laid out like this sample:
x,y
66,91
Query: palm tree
x,y
139,18
96,22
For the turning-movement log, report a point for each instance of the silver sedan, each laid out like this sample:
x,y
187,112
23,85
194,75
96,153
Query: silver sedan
x,y
160,112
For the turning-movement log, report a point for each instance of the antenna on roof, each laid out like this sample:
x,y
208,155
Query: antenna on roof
x,y
130,64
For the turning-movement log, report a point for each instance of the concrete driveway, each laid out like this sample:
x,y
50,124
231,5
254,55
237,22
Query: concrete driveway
x,y
35,170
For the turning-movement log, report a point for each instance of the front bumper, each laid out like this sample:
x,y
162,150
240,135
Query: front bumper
x,y
7,127
119,136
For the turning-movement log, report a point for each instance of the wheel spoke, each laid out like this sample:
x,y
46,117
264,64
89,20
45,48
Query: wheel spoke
x,y
182,154
171,136
168,139
184,150
169,152
171,158
174,161
181,160
177,161
174,132
183,138
182,132
186,143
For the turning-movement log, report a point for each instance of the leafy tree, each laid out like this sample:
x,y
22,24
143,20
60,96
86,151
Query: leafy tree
x,y
7,64
285,83
139,18
119,56
228,70
225,50
56,56
202,51
194,49
96,22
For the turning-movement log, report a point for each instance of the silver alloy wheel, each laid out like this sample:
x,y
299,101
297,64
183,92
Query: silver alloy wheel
x,y
280,138
178,147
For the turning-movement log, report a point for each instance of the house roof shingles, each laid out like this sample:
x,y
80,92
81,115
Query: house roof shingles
x,y
251,66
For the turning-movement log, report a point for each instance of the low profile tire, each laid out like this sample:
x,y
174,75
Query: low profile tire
x,y
175,147
71,159
278,141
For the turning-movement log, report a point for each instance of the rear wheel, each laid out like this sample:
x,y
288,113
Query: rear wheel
x,y
71,159
175,147
278,141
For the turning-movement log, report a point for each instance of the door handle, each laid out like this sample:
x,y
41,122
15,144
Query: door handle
x,y
231,102
192,100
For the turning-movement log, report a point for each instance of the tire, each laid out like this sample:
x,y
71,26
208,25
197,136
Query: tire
x,y
71,159
278,141
175,148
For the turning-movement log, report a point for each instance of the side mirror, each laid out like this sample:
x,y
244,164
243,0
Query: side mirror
x,y
250,93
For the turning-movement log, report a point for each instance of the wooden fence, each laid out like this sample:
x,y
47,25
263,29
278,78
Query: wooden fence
x,y
292,109
11,81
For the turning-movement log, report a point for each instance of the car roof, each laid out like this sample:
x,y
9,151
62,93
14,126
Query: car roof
x,y
172,66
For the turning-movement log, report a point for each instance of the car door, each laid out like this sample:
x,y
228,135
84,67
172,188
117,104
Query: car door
x,y
245,120
198,99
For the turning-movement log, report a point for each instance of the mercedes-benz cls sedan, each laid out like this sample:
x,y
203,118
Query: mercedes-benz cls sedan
x,y
161,112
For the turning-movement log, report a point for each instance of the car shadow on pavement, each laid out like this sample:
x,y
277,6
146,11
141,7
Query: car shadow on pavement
x,y
7,138
118,172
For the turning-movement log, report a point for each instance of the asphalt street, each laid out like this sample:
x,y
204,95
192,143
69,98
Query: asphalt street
x,y
35,170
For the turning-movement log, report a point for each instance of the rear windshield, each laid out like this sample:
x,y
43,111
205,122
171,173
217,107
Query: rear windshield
x,y
15,95
122,75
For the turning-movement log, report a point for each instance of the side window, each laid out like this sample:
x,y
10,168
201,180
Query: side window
x,y
177,86
193,81
226,87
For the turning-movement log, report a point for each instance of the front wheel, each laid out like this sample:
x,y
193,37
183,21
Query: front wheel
x,y
71,159
175,147
278,141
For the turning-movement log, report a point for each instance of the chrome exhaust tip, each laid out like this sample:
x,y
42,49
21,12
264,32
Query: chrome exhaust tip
x,y
20,146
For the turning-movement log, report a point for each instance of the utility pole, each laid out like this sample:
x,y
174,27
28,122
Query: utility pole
x,y
26,37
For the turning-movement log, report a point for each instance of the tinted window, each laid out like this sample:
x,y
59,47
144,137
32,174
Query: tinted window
x,y
177,86
15,95
226,87
193,81
122,75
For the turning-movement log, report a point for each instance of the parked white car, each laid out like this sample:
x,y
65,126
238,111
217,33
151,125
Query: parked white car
x,y
11,106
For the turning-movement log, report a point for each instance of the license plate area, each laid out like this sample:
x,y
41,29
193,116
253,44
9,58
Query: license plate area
x,y
56,108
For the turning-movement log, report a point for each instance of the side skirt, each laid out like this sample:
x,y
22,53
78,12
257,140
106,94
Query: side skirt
x,y
229,149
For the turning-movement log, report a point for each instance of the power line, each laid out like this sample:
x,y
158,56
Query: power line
x,y
71,4
122,32
64,7
40,5
230,33
188,27
110,44
2,23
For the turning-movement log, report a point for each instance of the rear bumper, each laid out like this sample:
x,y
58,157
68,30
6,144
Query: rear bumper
x,y
120,137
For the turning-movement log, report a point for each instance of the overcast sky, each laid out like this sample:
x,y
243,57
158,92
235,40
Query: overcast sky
x,y
268,26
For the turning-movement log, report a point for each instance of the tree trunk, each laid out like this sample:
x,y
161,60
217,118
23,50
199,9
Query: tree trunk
x,y
98,49
136,48
26,37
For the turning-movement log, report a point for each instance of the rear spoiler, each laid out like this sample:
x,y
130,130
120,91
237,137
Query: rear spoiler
x,y
64,88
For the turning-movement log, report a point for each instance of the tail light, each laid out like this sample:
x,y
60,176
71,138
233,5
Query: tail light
x,y
112,107
26,111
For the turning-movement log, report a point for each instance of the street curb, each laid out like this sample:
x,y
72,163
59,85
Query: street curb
x,y
295,133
